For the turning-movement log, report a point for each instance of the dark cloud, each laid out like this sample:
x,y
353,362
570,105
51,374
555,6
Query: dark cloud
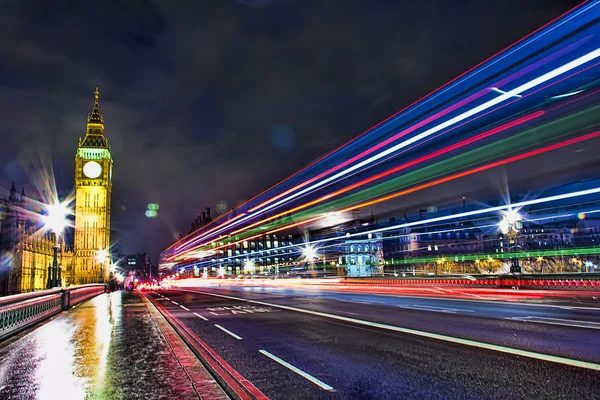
x,y
190,91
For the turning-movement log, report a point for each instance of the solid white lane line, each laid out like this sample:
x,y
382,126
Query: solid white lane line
x,y
483,300
228,332
174,302
451,339
184,307
201,317
303,374
419,308
366,301
443,308
559,321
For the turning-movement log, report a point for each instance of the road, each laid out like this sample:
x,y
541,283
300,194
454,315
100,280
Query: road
x,y
299,344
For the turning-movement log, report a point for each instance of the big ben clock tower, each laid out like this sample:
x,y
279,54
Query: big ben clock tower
x,y
93,187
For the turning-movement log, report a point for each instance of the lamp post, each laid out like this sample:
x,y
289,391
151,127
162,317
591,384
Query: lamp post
x,y
510,226
55,221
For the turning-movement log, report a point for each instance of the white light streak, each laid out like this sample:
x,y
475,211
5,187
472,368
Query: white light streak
x,y
461,117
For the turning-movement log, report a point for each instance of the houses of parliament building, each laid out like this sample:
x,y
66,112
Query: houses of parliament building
x,y
26,251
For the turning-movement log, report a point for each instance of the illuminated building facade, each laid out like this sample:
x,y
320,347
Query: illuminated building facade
x,y
25,251
93,187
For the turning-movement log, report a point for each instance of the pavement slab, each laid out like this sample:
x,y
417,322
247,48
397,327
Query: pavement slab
x,y
113,346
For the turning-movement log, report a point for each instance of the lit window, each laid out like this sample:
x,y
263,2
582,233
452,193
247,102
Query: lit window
x,y
245,245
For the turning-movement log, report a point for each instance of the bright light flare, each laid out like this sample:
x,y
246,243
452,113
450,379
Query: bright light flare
x,y
249,266
101,256
221,272
309,252
511,220
56,220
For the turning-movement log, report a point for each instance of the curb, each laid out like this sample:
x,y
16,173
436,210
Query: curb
x,y
203,382
232,381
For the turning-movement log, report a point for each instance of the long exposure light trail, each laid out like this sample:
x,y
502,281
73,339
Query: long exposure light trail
x,y
399,168
217,227
499,99
433,232
476,170
489,210
541,32
434,182
457,176
530,253
475,110
562,49
432,118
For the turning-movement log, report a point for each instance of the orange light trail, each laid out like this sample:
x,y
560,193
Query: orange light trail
x,y
447,149
450,177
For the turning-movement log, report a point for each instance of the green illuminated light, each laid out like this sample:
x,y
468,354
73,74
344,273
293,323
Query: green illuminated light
x,y
94,154
153,207
151,213
583,251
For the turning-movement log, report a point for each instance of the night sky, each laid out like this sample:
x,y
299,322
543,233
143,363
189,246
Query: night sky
x,y
213,101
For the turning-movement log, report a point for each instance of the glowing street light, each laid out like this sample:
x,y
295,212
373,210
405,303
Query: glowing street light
x,y
309,252
249,266
101,256
511,222
55,221
221,272
510,226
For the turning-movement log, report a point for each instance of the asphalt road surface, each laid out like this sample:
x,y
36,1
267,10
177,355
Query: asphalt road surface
x,y
298,344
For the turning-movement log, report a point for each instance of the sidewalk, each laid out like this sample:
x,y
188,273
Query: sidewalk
x,y
114,346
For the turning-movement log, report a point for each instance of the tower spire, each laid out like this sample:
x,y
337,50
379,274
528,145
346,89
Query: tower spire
x,y
96,117
13,189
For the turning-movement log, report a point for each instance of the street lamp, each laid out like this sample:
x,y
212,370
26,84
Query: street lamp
x,y
55,221
510,226
310,254
101,257
249,266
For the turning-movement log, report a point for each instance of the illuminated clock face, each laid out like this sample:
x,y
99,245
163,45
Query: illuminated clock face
x,y
92,169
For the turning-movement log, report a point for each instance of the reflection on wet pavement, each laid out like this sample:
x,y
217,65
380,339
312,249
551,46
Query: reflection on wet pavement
x,y
106,348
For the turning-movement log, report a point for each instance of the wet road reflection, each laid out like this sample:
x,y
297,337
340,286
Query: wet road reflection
x,y
64,358
106,348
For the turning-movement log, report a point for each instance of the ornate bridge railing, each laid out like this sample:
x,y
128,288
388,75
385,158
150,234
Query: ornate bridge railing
x,y
20,311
